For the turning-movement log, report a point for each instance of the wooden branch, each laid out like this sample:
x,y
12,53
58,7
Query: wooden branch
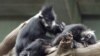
x,y
93,50
9,41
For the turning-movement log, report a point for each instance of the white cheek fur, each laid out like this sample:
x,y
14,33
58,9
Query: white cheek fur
x,y
44,22
53,23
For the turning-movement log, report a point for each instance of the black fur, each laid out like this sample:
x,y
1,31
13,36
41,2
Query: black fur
x,y
36,28
39,45
76,30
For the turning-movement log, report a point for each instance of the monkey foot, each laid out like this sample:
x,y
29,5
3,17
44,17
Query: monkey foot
x,y
65,45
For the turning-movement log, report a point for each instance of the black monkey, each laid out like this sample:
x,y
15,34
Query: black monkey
x,y
78,32
36,28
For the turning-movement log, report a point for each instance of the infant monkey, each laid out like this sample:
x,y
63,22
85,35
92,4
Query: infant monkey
x,y
68,38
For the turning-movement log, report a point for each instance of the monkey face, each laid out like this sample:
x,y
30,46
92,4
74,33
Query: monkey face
x,y
48,17
87,36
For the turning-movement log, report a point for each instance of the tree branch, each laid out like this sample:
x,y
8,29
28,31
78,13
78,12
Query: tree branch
x,y
9,41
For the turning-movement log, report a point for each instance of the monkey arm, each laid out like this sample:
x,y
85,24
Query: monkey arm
x,y
9,41
64,47
56,41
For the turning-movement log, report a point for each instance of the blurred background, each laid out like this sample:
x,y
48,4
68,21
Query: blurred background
x,y
13,12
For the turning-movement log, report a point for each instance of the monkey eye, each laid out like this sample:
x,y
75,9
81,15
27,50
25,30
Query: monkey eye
x,y
89,36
